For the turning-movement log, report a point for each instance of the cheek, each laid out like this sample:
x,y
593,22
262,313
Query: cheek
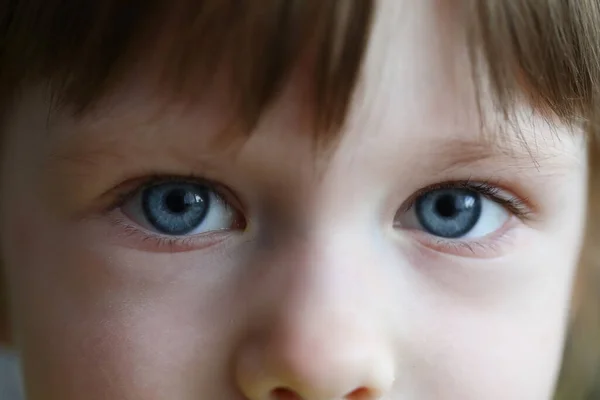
x,y
491,355
500,347
79,304
493,329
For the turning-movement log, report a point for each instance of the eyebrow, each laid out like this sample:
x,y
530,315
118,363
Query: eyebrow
x,y
513,150
452,154
457,153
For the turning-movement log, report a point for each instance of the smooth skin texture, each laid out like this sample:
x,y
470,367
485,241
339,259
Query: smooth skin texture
x,y
329,289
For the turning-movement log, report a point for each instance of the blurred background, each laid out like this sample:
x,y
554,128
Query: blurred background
x,y
10,382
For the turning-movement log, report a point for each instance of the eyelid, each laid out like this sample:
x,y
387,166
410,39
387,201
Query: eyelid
x,y
516,205
492,246
128,189
141,238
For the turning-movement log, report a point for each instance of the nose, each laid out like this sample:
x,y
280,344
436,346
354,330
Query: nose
x,y
322,342
326,362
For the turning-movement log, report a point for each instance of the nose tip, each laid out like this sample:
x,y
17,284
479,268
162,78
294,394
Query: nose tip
x,y
304,368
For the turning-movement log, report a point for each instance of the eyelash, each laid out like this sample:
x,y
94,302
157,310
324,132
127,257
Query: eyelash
x,y
127,190
519,207
163,243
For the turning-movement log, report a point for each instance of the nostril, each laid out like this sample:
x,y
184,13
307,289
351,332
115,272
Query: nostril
x,y
284,394
288,394
360,394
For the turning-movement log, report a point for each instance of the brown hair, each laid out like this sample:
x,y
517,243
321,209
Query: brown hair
x,y
83,48
546,50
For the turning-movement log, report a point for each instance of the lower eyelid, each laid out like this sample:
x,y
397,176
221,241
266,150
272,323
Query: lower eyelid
x,y
494,245
131,235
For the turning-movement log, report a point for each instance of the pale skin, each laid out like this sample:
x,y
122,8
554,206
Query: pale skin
x,y
313,278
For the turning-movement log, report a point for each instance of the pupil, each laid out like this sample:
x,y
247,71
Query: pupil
x,y
177,202
446,206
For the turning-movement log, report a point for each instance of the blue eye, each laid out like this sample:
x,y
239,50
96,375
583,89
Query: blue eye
x,y
175,209
454,213
449,213
180,208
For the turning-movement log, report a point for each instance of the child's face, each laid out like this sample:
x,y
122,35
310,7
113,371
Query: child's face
x,y
419,258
